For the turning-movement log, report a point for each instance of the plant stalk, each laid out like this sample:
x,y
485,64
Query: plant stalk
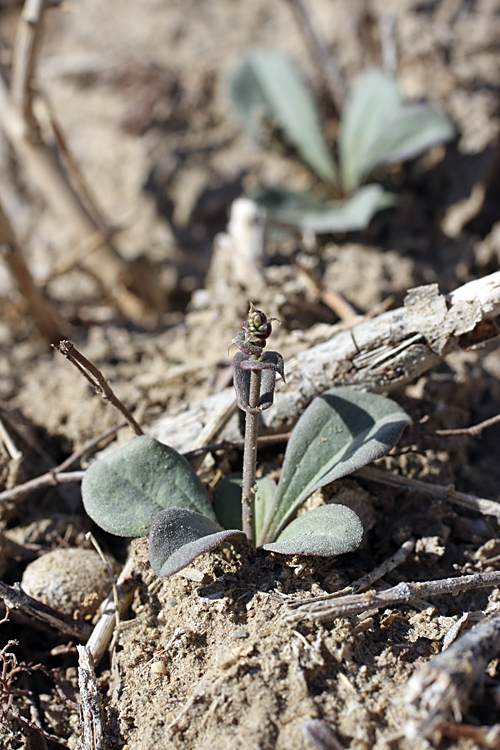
x,y
249,487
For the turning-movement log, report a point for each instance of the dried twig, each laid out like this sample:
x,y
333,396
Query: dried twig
x,y
326,66
475,430
479,504
58,475
42,164
118,602
15,598
97,380
442,688
362,584
91,725
43,316
379,354
403,593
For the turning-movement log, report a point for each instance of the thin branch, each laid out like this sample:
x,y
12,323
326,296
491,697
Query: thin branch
x,y
15,598
475,430
50,479
97,380
362,584
480,505
58,475
326,66
24,59
44,317
403,593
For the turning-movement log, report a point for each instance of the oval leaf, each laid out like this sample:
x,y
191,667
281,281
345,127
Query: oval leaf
x,y
266,85
178,536
227,501
124,490
374,99
408,133
340,431
324,531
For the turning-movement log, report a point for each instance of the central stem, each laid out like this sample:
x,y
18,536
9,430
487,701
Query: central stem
x,y
249,487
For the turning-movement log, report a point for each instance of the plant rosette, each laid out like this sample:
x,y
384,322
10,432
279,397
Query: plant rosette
x,y
147,488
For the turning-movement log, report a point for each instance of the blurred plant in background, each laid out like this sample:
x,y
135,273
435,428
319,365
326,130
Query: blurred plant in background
x,y
377,128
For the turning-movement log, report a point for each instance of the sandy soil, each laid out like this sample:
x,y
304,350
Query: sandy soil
x,y
208,658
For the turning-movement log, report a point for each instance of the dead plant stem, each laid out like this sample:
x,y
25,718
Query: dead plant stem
x,y
249,487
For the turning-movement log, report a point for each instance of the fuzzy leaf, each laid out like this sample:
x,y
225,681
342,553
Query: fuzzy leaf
x,y
266,85
310,214
410,132
377,128
178,536
340,431
124,490
324,531
373,100
227,501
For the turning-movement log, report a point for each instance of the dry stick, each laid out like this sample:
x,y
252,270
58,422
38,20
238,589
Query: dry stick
x,y
44,317
97,380
58,475
327,68
28,37
403,593
101,634
442,688
21,128
480,505
91,725
379,354
475,430
361,584
15,598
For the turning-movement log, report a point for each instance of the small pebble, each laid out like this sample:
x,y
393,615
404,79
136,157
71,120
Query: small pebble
x,y
70,580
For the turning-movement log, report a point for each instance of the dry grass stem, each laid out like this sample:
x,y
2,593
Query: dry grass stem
x,y
97,380
403,593
480,505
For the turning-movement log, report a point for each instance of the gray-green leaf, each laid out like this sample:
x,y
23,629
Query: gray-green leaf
x,y
340,431
324,531
408,133
178,536
124,490
266,85
374,98
377,128
310,214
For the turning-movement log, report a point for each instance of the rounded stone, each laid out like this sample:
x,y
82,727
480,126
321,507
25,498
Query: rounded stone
x,y
73,581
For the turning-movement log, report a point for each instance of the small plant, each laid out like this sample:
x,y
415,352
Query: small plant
x,y
377,128
146,487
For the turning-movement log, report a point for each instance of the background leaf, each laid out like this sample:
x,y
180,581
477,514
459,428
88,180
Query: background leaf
x,y
409,132
227,501
377,128
374,99
266,85
324,531
178,536
308,213
340,431
124,490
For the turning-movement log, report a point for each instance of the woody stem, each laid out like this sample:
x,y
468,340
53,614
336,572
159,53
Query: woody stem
x,y
249,486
